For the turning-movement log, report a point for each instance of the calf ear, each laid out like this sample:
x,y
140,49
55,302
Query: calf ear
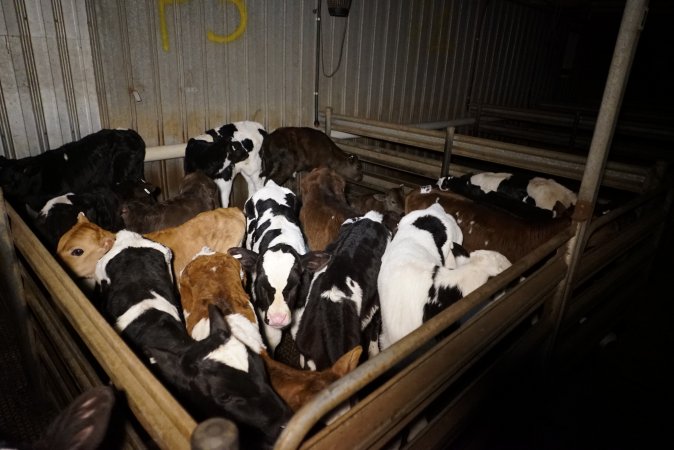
x,y
82,218
107,243
247,258
315,260
347,362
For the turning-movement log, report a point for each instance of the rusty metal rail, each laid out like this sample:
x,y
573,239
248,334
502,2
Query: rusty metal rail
x,y
555,163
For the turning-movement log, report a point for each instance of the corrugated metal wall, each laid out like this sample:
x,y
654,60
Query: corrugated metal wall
x,y
174,68
47,85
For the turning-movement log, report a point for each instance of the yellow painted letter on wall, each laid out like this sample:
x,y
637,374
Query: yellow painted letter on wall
x,y
243,20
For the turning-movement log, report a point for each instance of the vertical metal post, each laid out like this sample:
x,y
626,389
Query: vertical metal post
x,y
317,74
328,120
628,36
447,154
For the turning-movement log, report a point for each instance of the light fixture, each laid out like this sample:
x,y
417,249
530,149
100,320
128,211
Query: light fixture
x,y
339,8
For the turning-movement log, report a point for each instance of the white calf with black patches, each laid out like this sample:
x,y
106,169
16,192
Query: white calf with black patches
x,y
420,274
224,152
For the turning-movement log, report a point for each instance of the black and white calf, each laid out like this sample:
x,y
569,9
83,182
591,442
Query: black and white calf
x,y
342,308
219,375
520,194
102,205
275,255
224,152
424,269
223,375
104,158
138,294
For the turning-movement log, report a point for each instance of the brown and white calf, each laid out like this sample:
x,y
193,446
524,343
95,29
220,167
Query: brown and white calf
x,y
324,206
289,150
489,228
220,229
198,193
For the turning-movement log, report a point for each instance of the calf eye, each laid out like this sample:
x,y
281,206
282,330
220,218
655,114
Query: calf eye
x,y
77,252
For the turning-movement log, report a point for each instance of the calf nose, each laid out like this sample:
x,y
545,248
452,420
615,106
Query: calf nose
x,y
278,320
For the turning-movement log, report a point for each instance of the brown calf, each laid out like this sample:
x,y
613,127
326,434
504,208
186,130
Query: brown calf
x,y
198,193
324,206
290,150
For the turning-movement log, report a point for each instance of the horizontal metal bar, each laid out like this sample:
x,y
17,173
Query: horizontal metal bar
x,y
618,175
162,152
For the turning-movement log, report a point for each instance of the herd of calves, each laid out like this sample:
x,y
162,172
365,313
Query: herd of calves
x,y
249,313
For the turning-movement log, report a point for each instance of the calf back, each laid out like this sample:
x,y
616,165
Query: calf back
x,y
489,228
289,150
198,193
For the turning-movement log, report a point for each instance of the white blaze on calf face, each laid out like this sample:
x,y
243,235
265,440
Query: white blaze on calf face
x,y
277,265
489,181
156,302
245,335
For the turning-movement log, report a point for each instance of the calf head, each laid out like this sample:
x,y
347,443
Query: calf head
x,y
198,184
441,227
297,387
220,376
322,182
350,168
136,189
207,155
393,199
83,245
212,278
279,279
19,178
